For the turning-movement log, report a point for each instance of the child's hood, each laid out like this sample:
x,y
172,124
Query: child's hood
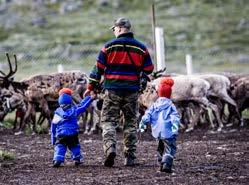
x,y
162,103
65,114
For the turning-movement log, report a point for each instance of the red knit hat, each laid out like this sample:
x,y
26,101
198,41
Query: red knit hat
x,y
66,91
165,87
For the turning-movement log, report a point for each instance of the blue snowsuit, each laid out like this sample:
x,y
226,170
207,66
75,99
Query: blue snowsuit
x,y
164,120
65,128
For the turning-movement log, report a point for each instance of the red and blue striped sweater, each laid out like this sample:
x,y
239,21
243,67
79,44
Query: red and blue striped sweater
x,y
114,64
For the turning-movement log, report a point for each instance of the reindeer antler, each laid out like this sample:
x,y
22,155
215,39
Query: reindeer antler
x,y
159,73
11,71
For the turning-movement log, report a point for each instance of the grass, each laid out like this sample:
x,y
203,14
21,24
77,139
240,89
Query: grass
x,y
196,27
41,129
8,121
245,114
6,156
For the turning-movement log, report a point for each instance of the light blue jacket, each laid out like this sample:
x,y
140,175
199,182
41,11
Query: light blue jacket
x,y
163,117
65,122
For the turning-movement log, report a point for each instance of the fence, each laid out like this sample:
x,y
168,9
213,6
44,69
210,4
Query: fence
x,y
45,60
179,20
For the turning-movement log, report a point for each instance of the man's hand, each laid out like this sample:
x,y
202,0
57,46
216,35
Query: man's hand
x,y
93,95
87,93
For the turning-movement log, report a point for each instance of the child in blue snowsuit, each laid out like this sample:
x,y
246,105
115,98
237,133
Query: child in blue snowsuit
x,y
164,120
64,127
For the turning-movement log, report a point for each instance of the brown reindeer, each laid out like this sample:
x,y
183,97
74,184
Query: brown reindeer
x,y
37,92
7,86
42,94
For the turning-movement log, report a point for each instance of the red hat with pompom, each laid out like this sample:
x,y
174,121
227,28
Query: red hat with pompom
x,y
66,91
165,87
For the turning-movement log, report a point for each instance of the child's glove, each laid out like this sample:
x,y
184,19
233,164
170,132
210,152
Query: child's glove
x,y
142,127
175,124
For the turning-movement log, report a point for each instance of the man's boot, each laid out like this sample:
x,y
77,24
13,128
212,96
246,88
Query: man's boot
x,y
111,154
130,161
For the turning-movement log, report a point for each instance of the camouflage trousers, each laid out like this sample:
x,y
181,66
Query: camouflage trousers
x,y
114,102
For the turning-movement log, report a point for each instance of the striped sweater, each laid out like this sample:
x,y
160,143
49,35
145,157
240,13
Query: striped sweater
x,y
114,64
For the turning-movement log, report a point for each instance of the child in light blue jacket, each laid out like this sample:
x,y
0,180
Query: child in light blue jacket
x,y
65,128
164,120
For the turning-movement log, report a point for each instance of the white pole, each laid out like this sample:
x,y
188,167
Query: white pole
x,y
160,56
189,64
60,68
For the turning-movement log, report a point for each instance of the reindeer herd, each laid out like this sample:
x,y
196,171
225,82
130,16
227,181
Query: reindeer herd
x,y
218,99
37,94
202,98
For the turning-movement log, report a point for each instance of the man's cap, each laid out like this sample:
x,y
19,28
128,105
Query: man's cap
x,y
121,22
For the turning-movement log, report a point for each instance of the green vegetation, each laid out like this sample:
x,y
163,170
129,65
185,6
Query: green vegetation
x,y
245,114
215,32
3,34
8,122
6,156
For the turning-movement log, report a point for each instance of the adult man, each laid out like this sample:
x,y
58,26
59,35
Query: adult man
x,y
120,61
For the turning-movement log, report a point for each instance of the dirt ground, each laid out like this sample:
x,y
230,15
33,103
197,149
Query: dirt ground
x,y
203,158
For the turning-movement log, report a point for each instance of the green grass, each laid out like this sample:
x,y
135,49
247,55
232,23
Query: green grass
x,y
8,121
6,156
190,27
245,114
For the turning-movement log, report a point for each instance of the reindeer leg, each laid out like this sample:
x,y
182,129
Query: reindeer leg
x,y
209,116
217,115
41,119
234,107
207,104
85,124
33,120
25,119
90,120
190,125
46,111
15,121
95,121
194,115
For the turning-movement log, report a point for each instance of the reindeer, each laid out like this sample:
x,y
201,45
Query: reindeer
x,y
186,89
42,92
37,92
8,86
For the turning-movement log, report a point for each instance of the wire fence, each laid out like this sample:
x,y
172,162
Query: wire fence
x,y
47,59
36,54
50,59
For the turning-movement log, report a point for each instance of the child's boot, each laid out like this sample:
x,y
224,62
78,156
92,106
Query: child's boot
x,y
166,165
78,162
159,158
166,168
56,164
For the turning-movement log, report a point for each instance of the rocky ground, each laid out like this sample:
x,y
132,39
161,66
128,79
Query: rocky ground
x,y
203,158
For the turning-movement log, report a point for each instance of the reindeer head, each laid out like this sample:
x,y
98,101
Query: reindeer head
x,y
13,101
6,79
